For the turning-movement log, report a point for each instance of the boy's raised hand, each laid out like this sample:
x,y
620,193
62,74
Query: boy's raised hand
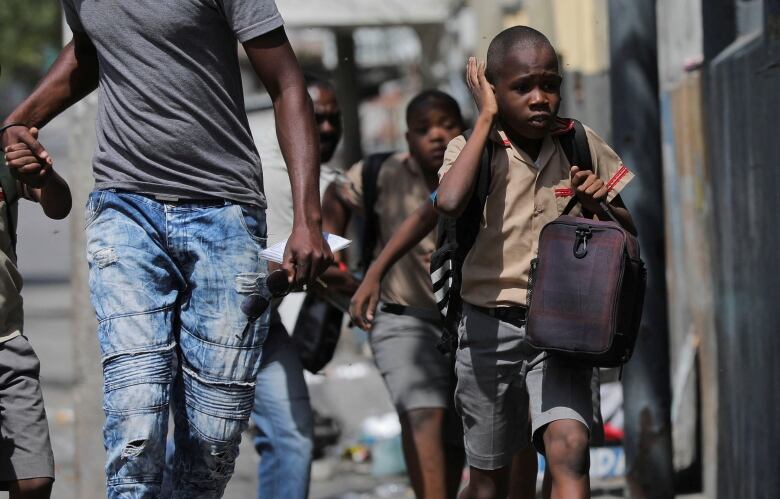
x,y
481,89
363,304
589,189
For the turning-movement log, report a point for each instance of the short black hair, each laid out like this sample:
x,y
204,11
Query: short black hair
x,y
315,80
516,37
433,99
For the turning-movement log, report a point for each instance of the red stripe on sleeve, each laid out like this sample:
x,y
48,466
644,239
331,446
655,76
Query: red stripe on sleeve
x,y
617,177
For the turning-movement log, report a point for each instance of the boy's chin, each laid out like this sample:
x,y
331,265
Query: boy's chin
x,y
534,132
530,131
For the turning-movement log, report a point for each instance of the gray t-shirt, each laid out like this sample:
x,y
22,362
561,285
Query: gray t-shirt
x,y
171,117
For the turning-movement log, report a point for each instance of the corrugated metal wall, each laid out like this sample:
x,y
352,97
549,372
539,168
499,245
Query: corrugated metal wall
x,y
722,190
743,108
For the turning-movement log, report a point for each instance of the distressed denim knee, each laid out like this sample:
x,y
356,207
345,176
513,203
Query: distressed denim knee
x,y
136,394
221,346
133,287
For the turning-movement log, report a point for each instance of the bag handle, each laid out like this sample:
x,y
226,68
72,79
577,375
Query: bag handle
x,y
575,146
605,207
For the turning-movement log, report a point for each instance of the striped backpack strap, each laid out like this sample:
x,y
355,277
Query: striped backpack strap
x,y
455,238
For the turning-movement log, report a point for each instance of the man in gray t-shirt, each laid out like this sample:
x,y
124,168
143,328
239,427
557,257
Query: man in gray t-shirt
x,y
176,222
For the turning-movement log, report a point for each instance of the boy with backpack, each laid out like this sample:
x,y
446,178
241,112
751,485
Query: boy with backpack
x,y
403,335
531,180
27,464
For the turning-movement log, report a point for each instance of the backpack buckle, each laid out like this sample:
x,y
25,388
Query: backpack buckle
x,y
582,234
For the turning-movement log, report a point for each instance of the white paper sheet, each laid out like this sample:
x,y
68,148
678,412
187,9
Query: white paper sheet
x,y
275,253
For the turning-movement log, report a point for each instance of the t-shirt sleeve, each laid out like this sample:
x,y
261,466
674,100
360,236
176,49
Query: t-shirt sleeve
x,y
454,148
350,187
71,15
608,165
251,18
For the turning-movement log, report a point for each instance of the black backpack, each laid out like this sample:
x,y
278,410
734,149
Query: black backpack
x,y
370,226
456,236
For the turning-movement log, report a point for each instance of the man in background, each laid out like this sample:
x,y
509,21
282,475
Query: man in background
x,y
282,412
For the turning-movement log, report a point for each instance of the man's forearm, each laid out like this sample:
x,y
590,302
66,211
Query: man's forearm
x,y
72,76
300,148
275,64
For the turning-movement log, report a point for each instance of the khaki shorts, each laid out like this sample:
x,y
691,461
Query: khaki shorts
x,y
495,401
416,374
25,449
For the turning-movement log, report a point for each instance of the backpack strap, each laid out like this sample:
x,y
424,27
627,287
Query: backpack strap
x,y
10,194
370,174
575,147
485,173
456,236
468,222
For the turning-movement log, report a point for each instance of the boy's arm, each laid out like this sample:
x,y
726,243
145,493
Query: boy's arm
x,y
591,190
416,226
72,76
53,195
621,214
335,218
336,211
457,185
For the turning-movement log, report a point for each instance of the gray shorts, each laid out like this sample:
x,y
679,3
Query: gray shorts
x,y
417,375
25,449
495,402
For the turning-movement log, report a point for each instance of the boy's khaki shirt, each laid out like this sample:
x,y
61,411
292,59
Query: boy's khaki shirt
x,y
524,196
11,317
401,189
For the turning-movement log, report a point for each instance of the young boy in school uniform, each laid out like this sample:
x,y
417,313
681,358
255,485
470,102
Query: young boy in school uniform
x,y
26,460
518,94
406,329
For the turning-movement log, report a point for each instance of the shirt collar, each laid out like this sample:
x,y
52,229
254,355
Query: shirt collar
x,y
499,136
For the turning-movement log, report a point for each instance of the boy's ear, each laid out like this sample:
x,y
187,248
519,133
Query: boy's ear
x,y
406,136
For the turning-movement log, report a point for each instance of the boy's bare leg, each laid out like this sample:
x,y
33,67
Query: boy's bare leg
x,y
486,484
32,488
566,449
547,484
454,457
522,479
421,435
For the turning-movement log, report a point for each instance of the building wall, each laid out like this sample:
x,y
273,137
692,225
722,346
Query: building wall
x,y
719,100
743,103
688,218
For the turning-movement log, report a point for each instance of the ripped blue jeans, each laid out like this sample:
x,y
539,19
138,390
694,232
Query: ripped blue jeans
x,y
168,280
